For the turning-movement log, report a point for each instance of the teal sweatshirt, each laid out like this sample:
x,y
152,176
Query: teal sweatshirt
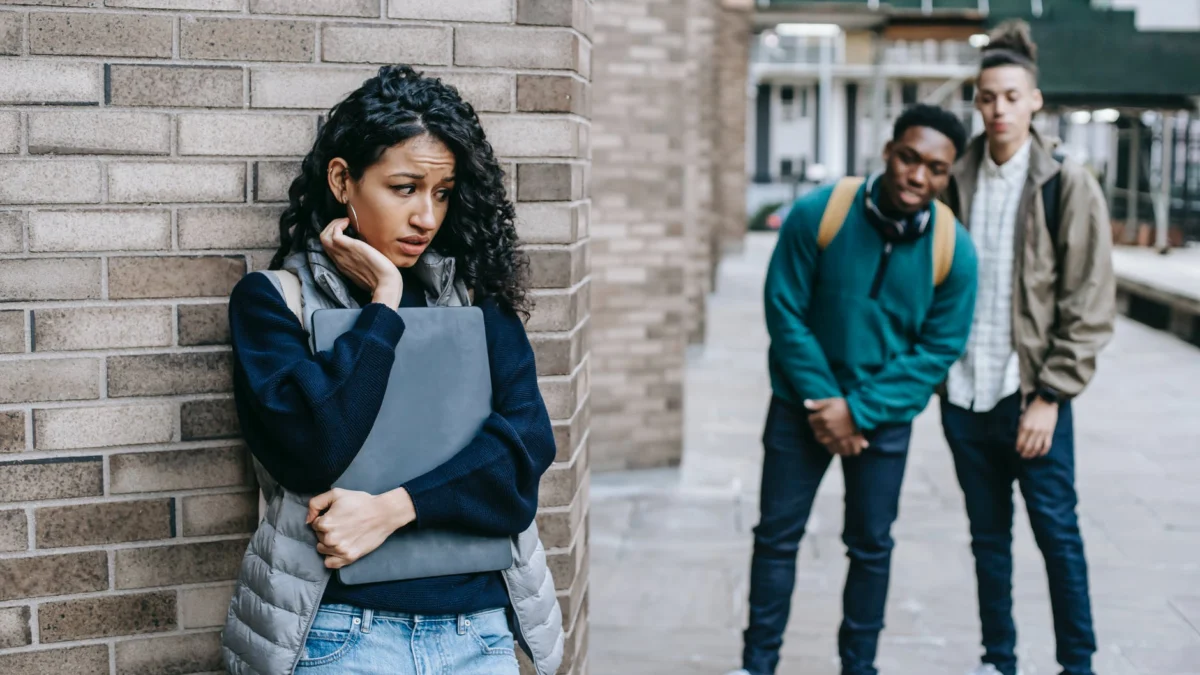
x,y
860,321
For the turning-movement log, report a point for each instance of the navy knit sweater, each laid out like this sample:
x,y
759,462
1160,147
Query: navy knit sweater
x,y
305,417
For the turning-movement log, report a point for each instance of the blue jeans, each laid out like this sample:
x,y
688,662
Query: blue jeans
x,y
346,640
986,460
793,466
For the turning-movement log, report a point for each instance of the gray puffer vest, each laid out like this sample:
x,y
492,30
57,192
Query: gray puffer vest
x,y
283,578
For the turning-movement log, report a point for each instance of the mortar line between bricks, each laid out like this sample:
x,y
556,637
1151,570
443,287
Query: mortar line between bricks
x,y
106,353
121,498
28,410
31,530
111,304
110,642
112,651
126,546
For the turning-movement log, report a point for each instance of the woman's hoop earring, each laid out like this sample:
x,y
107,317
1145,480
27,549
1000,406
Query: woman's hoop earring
x,y
353,215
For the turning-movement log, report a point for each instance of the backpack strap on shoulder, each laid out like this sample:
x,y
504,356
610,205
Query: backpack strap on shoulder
x,y
836,209
945,231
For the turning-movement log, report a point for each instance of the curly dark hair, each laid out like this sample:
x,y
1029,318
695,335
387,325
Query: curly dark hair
x,y
938,119
396,105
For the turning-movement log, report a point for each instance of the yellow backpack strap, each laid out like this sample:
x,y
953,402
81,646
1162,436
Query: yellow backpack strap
x,y
837,208
290,284
944,232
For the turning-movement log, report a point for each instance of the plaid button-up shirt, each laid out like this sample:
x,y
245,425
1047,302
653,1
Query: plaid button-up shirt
x,y
989,370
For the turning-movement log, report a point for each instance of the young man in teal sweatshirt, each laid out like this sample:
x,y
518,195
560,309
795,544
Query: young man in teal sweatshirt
x,y
866,312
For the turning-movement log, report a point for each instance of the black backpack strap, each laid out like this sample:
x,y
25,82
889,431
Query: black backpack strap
x,y
1051,192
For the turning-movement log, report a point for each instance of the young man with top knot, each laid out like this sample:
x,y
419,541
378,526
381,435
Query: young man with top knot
x,y
1045,308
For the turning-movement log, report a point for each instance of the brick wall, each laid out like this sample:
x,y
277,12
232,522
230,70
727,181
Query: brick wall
x,y
145,151
658,229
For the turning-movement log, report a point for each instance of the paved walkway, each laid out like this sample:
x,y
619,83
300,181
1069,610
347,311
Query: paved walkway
x,y
670,549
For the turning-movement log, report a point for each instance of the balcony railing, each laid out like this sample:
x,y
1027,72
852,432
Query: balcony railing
x,y
774,48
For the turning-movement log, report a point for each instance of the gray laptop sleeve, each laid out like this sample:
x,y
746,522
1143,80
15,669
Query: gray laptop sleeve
x,y
438,396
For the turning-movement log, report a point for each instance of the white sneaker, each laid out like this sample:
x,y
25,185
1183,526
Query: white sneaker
x,y
988,669
739,671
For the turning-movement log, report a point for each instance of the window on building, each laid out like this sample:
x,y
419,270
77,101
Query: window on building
x,y
908,93
785,168
968,93
804,102
787,97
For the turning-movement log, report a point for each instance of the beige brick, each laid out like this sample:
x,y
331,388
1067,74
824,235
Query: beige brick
x,y
174,86
178,470
494,11
14,534
247,40
49,182
556,266
10,132
558,310
173,655
12,231
12,32
549,182
200,5
486,92
50,279
208,515
548,223
357,8
90,660
170,374
563,393
536,136
559,353
178,564
12,431
272,180
58,3
304,88
99,231
203,324
53,575
91,132
505,47
201,420
562,482
172,277
204,607
49,380
12,332
106,523
90,34
121,327
107,616
71,428
229,228
386,44
550,12
559,526
64,478
569,434
133,182
43,81
240,134
14,628
552,93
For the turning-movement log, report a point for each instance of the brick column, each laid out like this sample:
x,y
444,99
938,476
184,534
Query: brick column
x,y
734,32
146,147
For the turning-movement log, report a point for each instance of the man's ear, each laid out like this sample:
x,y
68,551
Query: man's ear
x,y
1037,100
887,151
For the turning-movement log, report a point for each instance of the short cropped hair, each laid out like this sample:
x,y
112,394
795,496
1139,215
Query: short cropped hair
x,y
938,119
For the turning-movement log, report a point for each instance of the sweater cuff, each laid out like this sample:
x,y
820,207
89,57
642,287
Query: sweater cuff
x,y
381,324
858,412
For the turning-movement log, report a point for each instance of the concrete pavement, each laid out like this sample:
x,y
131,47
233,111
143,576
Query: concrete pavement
x,y
671,548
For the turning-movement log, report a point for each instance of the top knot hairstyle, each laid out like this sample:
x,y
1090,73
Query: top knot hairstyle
x,y
396,105
1010,44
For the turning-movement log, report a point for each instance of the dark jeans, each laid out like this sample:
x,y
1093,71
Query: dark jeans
x,y
986,460
792,470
